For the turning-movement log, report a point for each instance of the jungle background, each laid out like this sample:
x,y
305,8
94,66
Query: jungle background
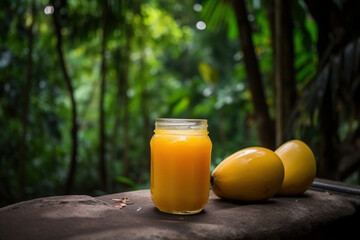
x,y
82,82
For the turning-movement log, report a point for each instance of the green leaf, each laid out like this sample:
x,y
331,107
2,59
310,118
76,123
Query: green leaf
x,y
232,30
208,73
181,106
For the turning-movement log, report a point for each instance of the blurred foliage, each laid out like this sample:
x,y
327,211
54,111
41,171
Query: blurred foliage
x,y
173,68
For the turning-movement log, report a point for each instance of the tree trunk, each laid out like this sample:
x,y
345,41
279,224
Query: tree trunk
x,y
102,137
125,78
122,54
285,90
117,118
68,83
265,128
143,100
23,147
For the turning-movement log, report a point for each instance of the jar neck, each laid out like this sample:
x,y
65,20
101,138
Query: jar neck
x,y
181,126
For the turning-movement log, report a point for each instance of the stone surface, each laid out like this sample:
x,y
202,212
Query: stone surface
x,y
316,215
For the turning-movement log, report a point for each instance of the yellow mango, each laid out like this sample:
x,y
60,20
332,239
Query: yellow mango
x,y
300,167
251,174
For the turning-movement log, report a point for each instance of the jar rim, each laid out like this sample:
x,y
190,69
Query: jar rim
x,y
180,124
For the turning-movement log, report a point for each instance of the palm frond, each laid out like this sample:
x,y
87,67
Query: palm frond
x,y
340,75
219,14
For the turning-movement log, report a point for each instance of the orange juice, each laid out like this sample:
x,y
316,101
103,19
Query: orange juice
x,y
180,165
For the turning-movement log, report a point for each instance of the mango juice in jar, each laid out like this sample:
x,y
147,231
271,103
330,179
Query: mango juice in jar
x,y
180,165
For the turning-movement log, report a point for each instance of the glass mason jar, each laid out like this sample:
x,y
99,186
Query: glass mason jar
x,y
180,165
